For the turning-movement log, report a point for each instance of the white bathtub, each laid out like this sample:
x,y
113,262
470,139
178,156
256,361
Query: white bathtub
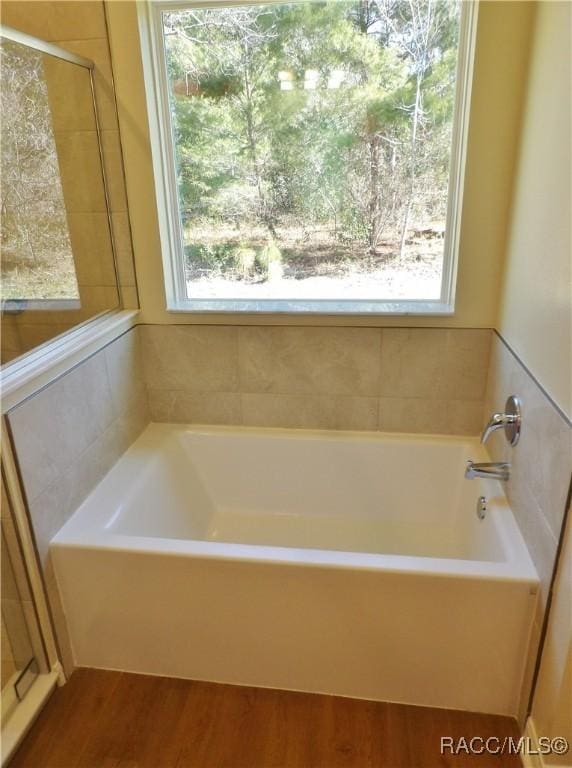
x,y
345,563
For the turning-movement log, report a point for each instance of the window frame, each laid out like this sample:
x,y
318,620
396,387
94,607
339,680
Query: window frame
x,y
167,199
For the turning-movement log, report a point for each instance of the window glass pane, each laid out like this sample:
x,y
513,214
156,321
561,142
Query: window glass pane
x,y
37,259
312,146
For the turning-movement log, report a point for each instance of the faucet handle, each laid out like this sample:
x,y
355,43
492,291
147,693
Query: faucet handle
x,y
510,421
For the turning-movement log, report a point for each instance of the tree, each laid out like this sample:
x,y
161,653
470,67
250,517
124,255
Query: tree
x,y
319,117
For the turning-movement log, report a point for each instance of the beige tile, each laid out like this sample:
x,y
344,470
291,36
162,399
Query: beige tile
x,y
33,17
34,631
98,52
11,342
80,170
91,246
9,586
57,20
123,248
305,360
192,358
7,655
113,164
195,407
543,457
130,426
434,363
78,20
95,299
544,451
69,95
125,370
309,411
56,504
32,336
14,561
420,415
58,423
498,388
129,297
540,540
17,629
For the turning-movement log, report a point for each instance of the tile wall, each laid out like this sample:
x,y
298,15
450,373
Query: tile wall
x,y
69,435
393,379
79,27
541,470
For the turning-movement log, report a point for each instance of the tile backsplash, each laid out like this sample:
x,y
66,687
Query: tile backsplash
x,y
393,379
541,466
68,436
541,462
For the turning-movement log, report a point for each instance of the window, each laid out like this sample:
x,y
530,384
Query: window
x,y
37,261
309,155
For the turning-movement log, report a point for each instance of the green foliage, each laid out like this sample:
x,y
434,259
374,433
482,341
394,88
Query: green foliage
x,y
329,114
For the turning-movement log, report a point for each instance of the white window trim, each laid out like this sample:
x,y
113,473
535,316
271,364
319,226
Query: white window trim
x,y
166,193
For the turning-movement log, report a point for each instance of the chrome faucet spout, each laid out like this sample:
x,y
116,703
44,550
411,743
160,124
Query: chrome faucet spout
x,y
493,470
497,421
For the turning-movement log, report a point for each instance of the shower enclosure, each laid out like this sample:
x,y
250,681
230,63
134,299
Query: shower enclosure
x,y
58,271
58,266
28,672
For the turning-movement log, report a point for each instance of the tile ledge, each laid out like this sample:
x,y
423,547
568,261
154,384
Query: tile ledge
x,y
26,376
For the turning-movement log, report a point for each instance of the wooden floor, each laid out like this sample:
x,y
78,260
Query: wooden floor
x,y
115,720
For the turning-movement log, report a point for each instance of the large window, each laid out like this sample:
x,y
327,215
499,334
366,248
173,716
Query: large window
x,y
311,152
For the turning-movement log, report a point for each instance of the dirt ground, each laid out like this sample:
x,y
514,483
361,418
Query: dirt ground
x,y
318,267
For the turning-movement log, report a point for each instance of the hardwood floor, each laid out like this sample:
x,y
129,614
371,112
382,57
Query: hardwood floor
x,y
115,720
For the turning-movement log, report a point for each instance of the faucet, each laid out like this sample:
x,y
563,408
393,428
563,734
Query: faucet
x,y
510,421
493,470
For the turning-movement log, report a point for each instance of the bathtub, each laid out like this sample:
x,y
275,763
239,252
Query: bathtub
x,y
343,563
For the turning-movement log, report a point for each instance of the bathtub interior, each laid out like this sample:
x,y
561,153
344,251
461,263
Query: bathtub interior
x,y
382,494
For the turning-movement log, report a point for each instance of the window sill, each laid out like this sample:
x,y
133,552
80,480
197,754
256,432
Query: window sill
x,y
315,307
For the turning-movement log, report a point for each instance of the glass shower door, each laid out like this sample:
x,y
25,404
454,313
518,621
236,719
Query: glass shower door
x,y
19,664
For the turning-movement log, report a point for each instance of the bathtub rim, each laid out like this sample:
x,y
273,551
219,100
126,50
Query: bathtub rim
x,y
314,558
518,568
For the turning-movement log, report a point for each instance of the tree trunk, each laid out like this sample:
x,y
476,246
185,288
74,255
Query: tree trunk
x,y
412,158
252,144
373,207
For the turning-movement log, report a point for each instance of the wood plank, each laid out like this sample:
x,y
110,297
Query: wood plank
x,y
66,722
116,720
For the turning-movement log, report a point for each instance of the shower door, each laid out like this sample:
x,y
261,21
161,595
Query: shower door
x,y
21,642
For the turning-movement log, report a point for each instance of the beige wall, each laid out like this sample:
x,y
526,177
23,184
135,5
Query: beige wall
x,y
552,706
535,309
500,68
535,318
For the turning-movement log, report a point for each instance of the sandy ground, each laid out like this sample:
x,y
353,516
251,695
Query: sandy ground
x,y
418,276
